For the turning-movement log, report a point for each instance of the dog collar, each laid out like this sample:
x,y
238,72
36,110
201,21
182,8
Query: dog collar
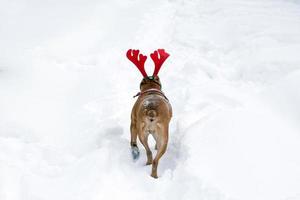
x,y
152,90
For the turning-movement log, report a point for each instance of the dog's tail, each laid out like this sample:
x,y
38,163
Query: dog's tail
x,y
152,114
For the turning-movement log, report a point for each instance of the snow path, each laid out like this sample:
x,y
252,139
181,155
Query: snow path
x,y
66,94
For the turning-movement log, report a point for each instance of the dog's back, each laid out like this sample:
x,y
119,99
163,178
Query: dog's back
x,y
153,108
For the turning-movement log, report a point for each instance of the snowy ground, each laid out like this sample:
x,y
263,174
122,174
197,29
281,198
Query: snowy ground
x,y
66,92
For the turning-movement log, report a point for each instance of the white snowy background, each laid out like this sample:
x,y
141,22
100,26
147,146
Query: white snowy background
x,y
66,90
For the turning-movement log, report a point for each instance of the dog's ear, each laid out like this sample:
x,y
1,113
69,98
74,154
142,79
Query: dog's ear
x,y
159,56
138,60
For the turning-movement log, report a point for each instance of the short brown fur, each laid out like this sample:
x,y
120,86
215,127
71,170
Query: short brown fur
x,y
151,114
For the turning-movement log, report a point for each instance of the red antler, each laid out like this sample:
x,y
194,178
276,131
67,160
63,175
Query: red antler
x,y
158,61
137,59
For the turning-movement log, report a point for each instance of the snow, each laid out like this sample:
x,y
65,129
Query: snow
x,y
66,91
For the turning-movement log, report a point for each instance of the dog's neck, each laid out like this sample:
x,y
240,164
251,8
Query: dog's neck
x,y
150,86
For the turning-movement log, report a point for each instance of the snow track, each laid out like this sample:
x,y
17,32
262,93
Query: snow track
x,y
66,94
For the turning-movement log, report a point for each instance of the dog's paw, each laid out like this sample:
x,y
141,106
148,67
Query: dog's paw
x,y
154,175
135,152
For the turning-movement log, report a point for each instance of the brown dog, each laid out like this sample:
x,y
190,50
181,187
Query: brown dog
x,y
151,112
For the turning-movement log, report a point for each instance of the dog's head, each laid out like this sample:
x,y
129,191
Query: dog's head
x,y
159,56
150,82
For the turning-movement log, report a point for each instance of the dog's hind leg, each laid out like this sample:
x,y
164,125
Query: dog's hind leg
x,y
133,132
134,148
162,142
144,141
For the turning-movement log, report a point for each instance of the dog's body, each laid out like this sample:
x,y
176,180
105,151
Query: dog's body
x,y
151,114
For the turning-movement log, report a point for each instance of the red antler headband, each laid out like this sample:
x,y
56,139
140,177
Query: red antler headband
x,y
137,59
158,61
159,56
